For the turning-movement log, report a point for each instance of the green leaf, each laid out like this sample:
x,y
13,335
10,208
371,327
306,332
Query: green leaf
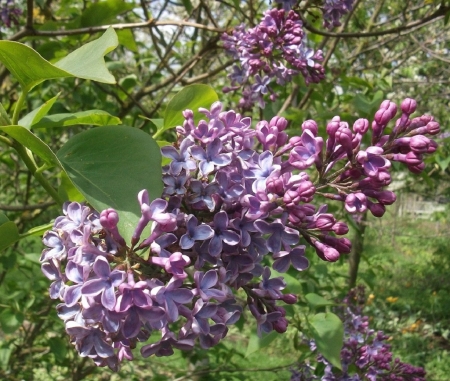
x,y
10,321
9,234
256,343
5,354
188,5
191,97
315,300
4,117
27,65
126,39
3,218
104,12
67,190
88,61
32,142
90,117
293,285
36,115
328,333
443,163
110,166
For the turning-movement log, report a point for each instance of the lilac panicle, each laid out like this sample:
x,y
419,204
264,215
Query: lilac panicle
x,y
238,204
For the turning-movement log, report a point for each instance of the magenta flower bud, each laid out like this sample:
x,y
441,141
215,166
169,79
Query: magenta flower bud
x,y
109,218
419,144
384,197
340,228
356,203
361,126
325,221
343,245
385,113
275,185
344,138
333,126
326,252
432,147
433,128
411,158
418,168
376,209
289,298
408,106
310,125
278,121
280,325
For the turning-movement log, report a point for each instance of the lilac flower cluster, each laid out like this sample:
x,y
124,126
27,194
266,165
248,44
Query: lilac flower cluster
x,y
274,50
236,202
364,351
9,13
334,10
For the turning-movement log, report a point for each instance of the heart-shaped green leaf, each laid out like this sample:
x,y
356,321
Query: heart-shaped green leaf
x,y
110,165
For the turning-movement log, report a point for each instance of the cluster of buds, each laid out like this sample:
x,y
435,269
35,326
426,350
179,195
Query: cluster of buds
x,y
274,50
235,206
9,13
365,354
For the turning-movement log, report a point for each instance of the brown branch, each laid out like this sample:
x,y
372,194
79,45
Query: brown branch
x,y
152,23
438,14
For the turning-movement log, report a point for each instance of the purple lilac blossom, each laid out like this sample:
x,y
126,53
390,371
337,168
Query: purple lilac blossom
x,y
245,211
273,51
365,355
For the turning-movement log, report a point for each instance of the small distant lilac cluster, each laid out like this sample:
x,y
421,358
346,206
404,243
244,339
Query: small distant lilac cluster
x,y
365,354
274,50
9,13
334,10
236,202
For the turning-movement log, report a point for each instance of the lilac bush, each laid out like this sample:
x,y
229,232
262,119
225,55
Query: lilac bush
x,y
365,354
236,207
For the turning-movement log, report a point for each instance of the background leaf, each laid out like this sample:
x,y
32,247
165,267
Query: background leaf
x,y
9,234
110,165
91,117
36,115
328,333
191,97
256,343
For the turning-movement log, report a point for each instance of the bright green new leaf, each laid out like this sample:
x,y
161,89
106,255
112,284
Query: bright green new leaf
x,y
256,343
32,142
90,117
68,191
315,301
191,97
9,234
88,61
36,115
110,166
328,333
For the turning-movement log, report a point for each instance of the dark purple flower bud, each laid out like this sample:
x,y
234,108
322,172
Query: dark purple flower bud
x,y
432,146
280,325
109,219
409,106
385,113
411,158
289,298
417,168
340,228
385,197
376,209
